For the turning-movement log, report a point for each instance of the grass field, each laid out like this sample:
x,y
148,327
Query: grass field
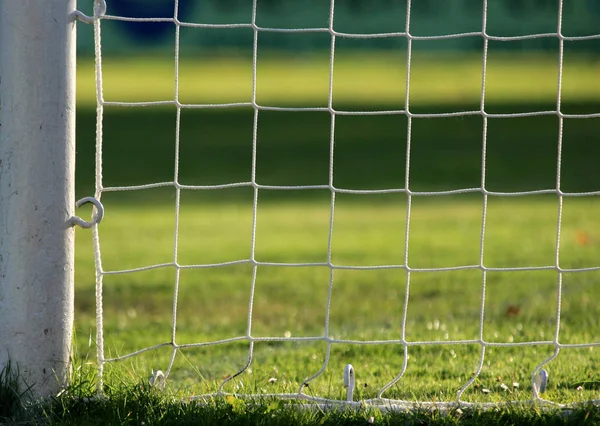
x,y
365,305
362,78
215,226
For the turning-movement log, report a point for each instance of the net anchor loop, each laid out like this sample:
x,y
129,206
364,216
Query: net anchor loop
x,y
99,11
157,379
540,381
97,215
349,382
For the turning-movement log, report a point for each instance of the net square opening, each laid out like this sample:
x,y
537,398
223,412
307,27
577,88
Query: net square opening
x,y
438,17
519,18
290,301
212,303
372,17
367,304
215,65
293,148
521,79
445,231
444,306
137,301
123,162
292,230
212,151
367,79
579,93
134,235
293,15
580,235
445,153
290,71
370,152
215,226
579,308
521,154
443,79
579,171
126,77
369,230
520,306
521,232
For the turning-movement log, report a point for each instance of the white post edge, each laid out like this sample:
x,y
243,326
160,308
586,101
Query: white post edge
x,y
37,170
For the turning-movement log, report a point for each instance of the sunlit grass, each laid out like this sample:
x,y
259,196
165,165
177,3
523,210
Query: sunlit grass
x,y
365,304
363,78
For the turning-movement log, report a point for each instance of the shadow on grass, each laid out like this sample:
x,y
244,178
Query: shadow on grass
x,y
370,151
12,394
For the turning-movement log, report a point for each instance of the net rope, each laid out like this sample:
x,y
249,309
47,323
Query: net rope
x,y
257,187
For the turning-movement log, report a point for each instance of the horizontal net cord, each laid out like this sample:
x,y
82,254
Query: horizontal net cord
x,y
332,340
409,192
351,267
342,112
353,35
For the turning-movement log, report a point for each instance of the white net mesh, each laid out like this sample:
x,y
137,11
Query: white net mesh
x,y
406,267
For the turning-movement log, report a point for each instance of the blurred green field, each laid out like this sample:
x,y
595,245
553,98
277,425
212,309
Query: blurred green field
x,y
215,147
360,78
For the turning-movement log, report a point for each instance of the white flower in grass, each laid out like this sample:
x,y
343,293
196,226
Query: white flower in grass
x,y
515,385
272,380
287,334
371,420
579,388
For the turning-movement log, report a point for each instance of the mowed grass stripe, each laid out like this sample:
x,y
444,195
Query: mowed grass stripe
x,y
360,78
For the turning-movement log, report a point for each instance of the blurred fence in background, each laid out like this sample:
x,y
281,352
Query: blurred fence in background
x,y
428,18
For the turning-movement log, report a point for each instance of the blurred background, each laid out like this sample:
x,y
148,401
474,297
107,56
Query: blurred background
x,y
215,66
428,18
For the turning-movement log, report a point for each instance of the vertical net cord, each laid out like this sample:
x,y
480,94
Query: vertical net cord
x,y
408,204
254,201
559,169
98,193
177,191
332,202
559,271
485,203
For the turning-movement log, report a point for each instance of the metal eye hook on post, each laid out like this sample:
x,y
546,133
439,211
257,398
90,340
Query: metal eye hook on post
x,y
96,216
99,11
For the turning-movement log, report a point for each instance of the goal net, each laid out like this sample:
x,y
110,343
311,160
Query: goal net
x,y
392,203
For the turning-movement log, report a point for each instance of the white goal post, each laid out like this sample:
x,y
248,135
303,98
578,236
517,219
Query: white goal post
x,y
37,173
37,180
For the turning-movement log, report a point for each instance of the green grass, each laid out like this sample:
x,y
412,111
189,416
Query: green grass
x,y
365,305
141,405
359,78
292,226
